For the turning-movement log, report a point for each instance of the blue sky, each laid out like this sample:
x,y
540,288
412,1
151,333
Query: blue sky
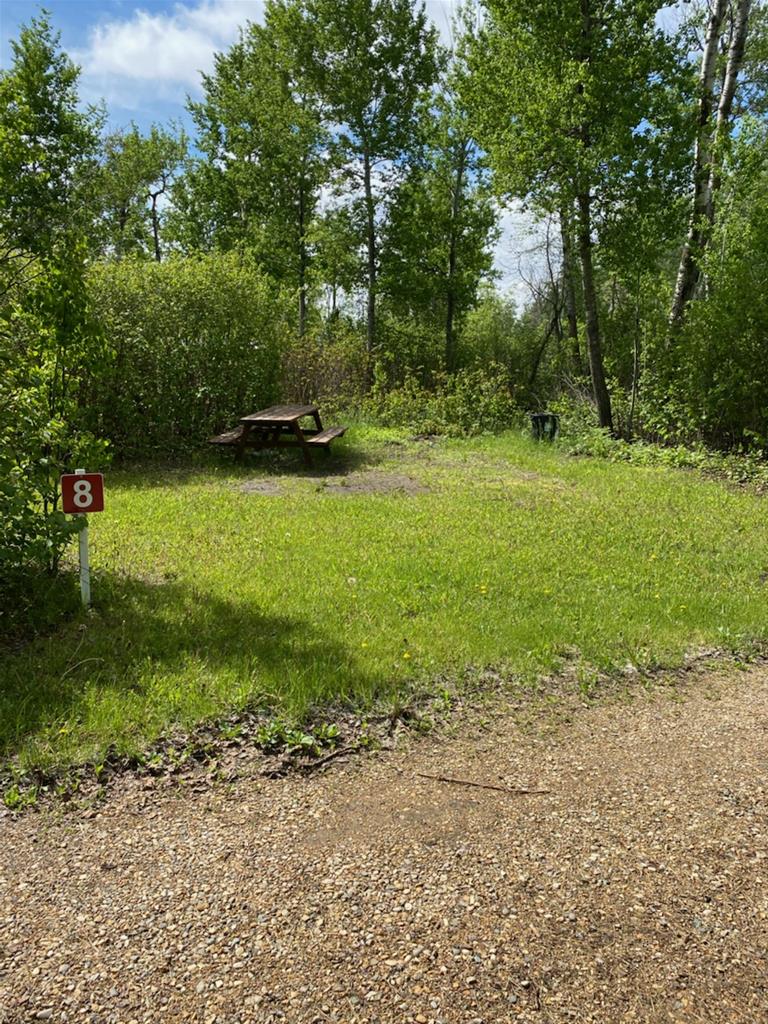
x,y
142,59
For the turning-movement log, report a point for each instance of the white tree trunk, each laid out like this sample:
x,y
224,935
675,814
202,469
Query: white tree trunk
x,y
688,271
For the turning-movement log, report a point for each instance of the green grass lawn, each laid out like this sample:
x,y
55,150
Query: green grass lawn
x,y
210,594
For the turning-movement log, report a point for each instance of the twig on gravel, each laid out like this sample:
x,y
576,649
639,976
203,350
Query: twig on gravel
x,y
484,785
312,766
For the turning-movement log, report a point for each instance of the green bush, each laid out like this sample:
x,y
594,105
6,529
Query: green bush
x,y
580,437
460,405
711,384
48,347
195,342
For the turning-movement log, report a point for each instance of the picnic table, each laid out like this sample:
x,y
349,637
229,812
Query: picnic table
x,y
279,426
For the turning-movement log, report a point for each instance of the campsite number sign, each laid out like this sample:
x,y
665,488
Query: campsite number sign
x,y
82,493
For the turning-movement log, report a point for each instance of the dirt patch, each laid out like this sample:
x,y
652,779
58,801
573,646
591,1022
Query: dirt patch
x,y
269,487
376,482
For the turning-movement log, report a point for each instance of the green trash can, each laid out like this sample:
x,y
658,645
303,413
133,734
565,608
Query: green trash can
x,y
546,426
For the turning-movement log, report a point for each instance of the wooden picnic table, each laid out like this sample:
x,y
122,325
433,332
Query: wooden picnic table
x,y
279,427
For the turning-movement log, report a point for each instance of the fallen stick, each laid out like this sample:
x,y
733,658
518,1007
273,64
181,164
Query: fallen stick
x,y
484,785
314,765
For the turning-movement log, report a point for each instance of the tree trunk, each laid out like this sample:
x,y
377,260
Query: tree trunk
x,y
689,269
725,106
371,244
569,291
302,264
155,226
551,329
450,311
594,349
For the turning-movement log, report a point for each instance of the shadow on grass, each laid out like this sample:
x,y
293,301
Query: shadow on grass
x,y
272,464
153,654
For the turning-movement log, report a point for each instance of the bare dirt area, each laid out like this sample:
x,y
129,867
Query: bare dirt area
x,y
635,889
261,486
375,482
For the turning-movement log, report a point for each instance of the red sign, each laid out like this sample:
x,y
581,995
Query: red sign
x,y
82,492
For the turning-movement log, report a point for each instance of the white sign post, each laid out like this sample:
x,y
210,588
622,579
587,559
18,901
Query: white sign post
x,y
85,569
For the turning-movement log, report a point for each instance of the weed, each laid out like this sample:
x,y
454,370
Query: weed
x,y
17,798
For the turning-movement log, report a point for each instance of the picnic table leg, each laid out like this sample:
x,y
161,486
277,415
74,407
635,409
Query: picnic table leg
x,y
302,441
240,450
319,425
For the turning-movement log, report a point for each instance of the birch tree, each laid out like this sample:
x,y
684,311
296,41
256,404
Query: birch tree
x,y
713,125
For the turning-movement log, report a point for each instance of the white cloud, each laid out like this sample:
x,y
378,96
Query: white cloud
x,y
166,51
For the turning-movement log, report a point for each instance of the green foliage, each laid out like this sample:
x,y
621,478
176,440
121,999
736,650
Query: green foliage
x,y
136,171
574,99
374,64
489,332
463,404
714,385
580,437
195,342
49,345
265,150
277,735
18,798
437,241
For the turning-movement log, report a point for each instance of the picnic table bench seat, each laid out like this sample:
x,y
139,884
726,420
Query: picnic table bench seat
x,y
229,437
324,437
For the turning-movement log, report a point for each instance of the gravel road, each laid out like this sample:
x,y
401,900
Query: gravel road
x,y
635,890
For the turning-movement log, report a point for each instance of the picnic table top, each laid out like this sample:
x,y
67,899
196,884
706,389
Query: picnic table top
x,y
280,414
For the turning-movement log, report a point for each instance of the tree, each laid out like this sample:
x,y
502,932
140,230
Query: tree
x,y
47,148
265,151
137,172
374,63
719,377
336,237
442,221
576,105
48,340
712,135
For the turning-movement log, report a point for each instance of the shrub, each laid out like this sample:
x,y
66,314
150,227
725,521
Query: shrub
x,y
460,405
195,342
580,437
326,367
48,342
